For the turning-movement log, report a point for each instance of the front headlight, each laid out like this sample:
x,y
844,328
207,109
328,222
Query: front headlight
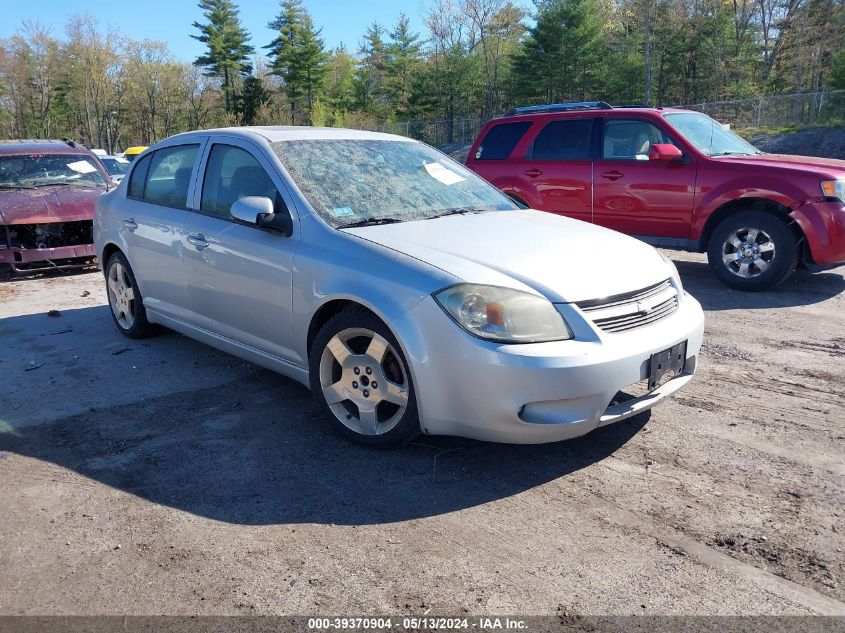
x,y
503,315
834,189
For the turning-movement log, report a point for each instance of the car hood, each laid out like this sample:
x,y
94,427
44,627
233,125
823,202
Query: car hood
x,y
806,163
47,204
565,260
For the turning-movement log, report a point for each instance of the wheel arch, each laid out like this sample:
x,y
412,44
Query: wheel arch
x,y
749,204
329,309
108,250
337,305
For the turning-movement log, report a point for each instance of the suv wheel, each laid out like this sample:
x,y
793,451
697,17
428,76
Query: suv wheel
x,y
752,250
360,376
125,301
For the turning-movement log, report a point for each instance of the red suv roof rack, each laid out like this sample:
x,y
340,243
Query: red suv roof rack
x,y
560,107
41,141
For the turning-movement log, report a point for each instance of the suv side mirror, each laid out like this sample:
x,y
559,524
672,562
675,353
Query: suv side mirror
x,y
259,211
665,152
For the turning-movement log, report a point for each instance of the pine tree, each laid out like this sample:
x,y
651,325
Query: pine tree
x,y
297,55
369,78
402,59
562,56
254,97
340,89
228,50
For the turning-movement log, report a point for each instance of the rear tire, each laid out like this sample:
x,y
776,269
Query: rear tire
x,y
752,250
361,378
125,300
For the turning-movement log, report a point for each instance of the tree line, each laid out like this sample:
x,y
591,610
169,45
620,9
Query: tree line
x,y
474,59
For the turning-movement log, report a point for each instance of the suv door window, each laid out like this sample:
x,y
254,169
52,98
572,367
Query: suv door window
x,y
565,139
628,139
232,173
500,140
169,175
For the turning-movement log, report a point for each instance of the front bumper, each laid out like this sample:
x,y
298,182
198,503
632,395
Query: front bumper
x,y
27,259
824,225
542,392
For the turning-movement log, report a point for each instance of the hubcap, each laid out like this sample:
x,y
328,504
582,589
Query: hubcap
x,y
363,381
121,296
748,252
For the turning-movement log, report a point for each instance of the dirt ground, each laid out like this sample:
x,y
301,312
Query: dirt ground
x,y
163,477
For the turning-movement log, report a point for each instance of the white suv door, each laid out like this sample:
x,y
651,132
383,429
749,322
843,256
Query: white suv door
x,y
238,276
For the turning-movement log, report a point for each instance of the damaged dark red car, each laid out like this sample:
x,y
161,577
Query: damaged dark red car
x,y
47,195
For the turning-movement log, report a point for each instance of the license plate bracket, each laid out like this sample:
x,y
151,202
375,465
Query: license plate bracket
x,y
667,364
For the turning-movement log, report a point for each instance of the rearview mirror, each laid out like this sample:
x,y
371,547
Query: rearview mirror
x,y
664,152
260,211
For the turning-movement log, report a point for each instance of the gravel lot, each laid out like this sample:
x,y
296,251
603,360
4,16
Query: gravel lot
x,y
160,476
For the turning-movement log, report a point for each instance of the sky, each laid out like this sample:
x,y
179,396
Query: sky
x,y
170,20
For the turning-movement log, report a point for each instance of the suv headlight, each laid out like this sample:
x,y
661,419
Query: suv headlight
x,y
834,189
503,315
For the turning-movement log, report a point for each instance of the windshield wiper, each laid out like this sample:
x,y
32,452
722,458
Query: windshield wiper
x,y
730,153
458,211
73,183
7,186
369,222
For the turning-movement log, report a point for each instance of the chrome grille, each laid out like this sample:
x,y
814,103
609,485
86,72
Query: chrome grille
x,y
633,309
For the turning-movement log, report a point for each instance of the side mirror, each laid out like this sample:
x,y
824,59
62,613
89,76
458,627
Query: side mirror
x,y
665,152
259,211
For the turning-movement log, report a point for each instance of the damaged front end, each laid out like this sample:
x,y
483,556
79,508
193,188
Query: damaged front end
x,y
48,190
47,246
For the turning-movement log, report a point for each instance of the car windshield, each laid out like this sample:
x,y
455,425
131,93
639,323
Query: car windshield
x,y
116,166
709,136
29,171
367,181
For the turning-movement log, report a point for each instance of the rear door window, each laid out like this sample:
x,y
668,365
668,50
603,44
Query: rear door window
x,y
500,140
565,139
169,175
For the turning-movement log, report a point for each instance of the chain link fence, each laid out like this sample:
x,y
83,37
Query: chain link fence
x,y
439,132
764,112
779,111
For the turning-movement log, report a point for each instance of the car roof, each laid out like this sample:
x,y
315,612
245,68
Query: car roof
x,y
37,146
275,133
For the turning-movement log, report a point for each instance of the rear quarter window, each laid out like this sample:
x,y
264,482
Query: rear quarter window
x,y
500,140
139,177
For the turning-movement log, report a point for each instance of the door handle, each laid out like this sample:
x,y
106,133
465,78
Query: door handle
x,y
533,173
612,175
198,241
130,224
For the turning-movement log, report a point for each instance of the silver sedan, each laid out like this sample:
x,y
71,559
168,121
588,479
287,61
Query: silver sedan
x,y
409,294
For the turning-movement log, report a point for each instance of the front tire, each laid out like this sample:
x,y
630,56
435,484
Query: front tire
x,y
752,250
361,377
125,300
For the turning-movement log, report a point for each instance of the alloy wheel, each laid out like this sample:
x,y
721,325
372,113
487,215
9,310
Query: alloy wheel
x,y
363,381
748,252
121,296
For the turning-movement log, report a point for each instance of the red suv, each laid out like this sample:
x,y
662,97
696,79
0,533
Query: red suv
x,y
673,178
